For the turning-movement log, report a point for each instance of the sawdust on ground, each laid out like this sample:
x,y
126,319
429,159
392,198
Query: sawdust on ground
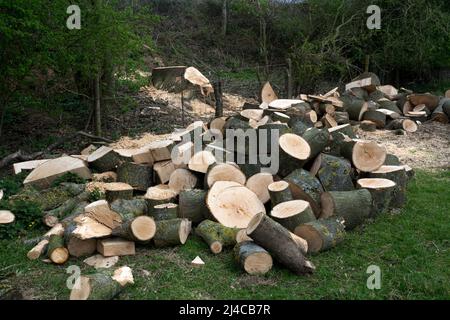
x,y
428,148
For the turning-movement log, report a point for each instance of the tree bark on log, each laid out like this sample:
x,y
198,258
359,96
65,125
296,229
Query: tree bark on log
x,y
104,159
277,240
396,174
280,192
404,124
216,235
171,232
159,194
52,217
192,205
322,234
376,117
139,176
317,139
118,190
334,173
141,229
353,206
56,251
381,190
252,258
77,247
167,211
342,117
306,187
129,209
294,152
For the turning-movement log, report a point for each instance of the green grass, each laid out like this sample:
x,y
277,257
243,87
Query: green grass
x,y
411,247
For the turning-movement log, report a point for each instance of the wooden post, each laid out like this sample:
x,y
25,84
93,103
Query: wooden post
x,y
182,108
218,96
289,88
367,63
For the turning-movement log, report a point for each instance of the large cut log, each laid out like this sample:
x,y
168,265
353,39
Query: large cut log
x,y
103,285
397,174
291,214
376,117
322,234
192,205
232,204
101,212
334,173
161,150
366,156
56,251
201,161
368,126
278,241
389,105
431,101
355,107
129,209
118,190
252,114
218,124
299,126
43,176
438,114
160,194
104,159
139,176
270,133
38,250
284,104
172,232
182,179
382,191
342,117
77,247
27,165
88,228
259,183
294,152
224,172
404,124
353,206
252,258
116,247
182,153
163,171
317,139
389,114
165,211
141,229
279,192
216,235
305,186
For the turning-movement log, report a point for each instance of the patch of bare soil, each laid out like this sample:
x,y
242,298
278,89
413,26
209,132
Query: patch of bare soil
x,y
427,148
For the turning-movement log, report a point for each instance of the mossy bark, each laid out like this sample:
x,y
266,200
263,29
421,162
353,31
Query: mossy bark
x,y
168,233
317,139
139,176
164,213
291,223
399,192
277,197
129,209
244,250
322,234
216,235
381,199
52,217
192,205
335,173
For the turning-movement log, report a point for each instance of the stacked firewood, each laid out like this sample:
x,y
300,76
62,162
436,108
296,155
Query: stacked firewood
x,y
327,182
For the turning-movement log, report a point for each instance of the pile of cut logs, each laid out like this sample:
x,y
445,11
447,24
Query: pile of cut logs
x,y
328,182
366,103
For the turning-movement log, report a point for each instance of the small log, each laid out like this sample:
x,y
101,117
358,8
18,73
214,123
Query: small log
x,y
192,205
376,117
367,80
291,214
366,156
404,124
252,258
139,176
353,206
259,183
355,107
37,251
165,211
201,161
115,247
56,251
160,194
232,204
381,190
317,139
305,186
431,101
368,126
141,229
182,179
439,115
172,232
163,170
77,247
118,190
278,241
279,192
322,234
342,117
104,159
241,236
397,174
294,152
216,235
224,172
334,173
270,132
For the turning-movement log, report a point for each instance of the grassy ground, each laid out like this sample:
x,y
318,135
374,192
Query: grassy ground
x,y
411,247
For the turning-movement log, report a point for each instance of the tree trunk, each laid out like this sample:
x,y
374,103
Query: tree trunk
x,y
165,211
396,174
97,101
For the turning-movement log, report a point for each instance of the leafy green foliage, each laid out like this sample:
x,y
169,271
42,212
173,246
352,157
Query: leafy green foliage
x,y
96,195
28,217
12,184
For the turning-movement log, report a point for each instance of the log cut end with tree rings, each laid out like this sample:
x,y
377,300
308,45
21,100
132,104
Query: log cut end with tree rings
x,y
160,194
295,146
201,161
6,217
143,228
225,172
259,183
368,156
291,214
182,179
232,204
253,258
